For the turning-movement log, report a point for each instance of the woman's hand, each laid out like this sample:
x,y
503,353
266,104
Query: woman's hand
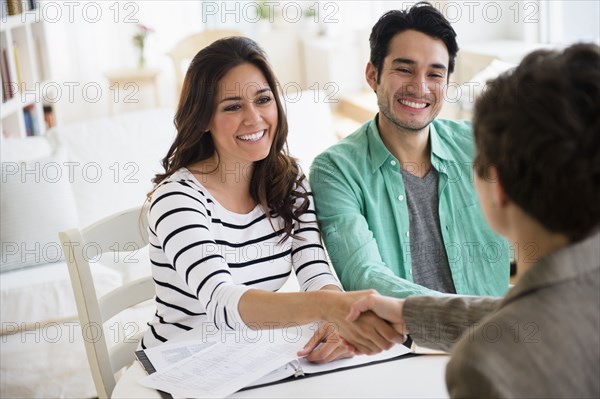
x,y
367,333
326,345
390,309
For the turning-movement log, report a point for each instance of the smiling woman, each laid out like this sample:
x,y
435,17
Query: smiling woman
x,y
233,215
245,120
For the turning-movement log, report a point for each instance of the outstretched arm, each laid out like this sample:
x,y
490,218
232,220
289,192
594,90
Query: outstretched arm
x,y
262,309
434,322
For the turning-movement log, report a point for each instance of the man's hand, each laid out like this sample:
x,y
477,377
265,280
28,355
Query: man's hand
x,y
390,309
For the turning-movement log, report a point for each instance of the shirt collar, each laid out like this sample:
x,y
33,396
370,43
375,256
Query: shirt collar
x,y
379,152
438,147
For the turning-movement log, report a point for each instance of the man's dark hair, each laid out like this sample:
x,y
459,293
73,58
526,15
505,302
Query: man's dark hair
x,y
539,125
422,17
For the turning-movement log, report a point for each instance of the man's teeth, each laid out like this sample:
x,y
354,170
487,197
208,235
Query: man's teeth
x,y
413,105
252,137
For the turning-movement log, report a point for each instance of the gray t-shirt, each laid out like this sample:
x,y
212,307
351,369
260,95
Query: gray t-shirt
x,y
430,266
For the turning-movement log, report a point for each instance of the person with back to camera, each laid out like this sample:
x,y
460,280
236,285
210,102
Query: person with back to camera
x,y
232,215
537,131
395,199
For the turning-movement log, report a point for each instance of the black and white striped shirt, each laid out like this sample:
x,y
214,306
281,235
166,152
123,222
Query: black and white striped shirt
x,y
204,257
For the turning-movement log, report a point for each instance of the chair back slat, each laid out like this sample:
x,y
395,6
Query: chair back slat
x,y
126,296
124,231
121,354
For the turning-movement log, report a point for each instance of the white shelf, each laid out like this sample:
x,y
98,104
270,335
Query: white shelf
x,y
22,41
10,107
14,21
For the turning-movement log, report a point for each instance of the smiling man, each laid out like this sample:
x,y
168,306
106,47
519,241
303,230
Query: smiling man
x,y
395,199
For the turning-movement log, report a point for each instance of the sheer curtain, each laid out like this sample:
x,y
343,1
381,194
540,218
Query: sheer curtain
x,y
86,39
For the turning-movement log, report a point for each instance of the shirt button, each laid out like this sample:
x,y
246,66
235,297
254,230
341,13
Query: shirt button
x,y
410,271
408,233
393,163
401,197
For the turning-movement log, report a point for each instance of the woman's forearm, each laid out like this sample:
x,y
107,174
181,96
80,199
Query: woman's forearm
x,y
368,334
263,309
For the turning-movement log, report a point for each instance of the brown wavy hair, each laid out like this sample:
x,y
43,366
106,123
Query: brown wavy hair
x,y
540,126
276,182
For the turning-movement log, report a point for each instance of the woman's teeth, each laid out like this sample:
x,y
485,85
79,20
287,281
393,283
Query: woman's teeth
x,y
252,137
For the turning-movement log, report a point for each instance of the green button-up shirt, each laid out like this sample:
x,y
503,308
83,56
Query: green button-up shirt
x,y
361,205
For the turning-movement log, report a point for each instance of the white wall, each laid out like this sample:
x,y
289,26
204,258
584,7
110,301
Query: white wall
x,y
310,52
84,44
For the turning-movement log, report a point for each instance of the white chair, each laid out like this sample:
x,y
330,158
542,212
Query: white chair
x,y
185,50
122,232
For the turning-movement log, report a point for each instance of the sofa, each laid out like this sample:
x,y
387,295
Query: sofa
x,y
74,175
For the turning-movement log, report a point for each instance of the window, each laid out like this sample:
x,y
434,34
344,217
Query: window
x,y
565,22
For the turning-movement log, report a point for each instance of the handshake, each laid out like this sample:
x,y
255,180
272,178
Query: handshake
x,y
358,322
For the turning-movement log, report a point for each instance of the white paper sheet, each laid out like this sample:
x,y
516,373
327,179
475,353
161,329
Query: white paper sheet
x,y
216,369
224,367
396,350
162,356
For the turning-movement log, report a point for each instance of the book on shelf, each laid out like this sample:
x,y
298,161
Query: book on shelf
x,y
6,78
14,7
32,127
3,72
49,117
18,64
218,368
28,121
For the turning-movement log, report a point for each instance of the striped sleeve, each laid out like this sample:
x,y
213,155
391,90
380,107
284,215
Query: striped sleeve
x,y
179,217
308,254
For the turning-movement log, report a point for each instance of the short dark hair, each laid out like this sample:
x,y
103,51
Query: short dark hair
x,y
539,125
422,17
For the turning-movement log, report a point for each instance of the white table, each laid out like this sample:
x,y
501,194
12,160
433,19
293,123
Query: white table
x,y
415,377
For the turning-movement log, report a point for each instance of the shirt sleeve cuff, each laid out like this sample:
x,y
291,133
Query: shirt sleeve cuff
x,y
227,314
321,281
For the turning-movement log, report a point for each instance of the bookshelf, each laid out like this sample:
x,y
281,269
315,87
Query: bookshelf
x,y
25,70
